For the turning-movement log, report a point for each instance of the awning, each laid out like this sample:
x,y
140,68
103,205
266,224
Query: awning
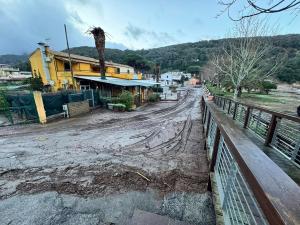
x,y
118,82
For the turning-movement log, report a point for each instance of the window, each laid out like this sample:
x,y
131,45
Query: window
x,y
128,71
118,70
67,66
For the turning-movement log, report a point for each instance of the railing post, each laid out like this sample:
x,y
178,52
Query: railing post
x,y
202,108
204,115
229,107
234,111
224,103
208,123
247,116
215,150
271,130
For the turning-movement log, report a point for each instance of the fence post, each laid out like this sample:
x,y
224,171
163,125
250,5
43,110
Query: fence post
x,y
224,102
234,111
229,107
247,116
215,150
204,114
208,123
271,130
38,99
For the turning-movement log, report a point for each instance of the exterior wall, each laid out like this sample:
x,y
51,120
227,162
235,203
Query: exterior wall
x,y
37,65
84,67
78,108
63,79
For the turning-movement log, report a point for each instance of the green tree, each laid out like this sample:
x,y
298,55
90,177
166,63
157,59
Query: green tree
x,y
267,86
194,69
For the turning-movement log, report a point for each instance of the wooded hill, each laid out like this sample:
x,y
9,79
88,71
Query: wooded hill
x,y
191,57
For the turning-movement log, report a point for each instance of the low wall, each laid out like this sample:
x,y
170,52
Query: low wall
x,y
78,108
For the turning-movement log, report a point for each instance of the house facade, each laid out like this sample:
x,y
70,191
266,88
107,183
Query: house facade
x,y
54,69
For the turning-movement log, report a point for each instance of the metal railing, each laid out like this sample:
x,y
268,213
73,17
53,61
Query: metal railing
x,y
277,130
238,202
245,193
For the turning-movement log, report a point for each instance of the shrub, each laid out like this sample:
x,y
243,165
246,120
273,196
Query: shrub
x,y
4,105
126,98
36,83
154,98
266,86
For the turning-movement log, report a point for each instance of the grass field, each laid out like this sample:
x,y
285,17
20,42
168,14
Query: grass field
x,y
281,101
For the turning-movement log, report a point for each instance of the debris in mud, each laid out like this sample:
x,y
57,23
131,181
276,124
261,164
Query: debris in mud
x,y
101,181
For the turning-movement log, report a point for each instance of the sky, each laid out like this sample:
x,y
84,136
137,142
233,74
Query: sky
x,y
129,24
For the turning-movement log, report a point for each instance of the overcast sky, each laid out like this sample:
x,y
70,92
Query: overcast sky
x,y
132,24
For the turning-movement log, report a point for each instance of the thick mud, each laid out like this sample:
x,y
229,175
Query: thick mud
x,y
158,147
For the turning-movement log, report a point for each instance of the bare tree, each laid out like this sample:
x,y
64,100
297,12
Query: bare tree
x,y
209,73
240,60
99,36
257,7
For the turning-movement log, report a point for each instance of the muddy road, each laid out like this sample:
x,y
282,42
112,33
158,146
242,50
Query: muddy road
x,y
157,147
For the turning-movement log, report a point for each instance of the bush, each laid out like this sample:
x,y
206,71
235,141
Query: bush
x,y
266,86
4,105
154,98
126,98
36,83
103,101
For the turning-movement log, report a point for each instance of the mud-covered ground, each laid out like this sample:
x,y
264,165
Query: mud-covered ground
x,y
159,147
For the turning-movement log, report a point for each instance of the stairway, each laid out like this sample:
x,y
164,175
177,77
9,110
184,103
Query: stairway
x,y
145,218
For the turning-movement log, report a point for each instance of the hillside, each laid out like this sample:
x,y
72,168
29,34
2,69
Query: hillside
x,y
188,57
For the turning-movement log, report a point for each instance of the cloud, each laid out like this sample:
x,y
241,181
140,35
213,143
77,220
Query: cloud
x,y
134,32
24,25
152,38
76,18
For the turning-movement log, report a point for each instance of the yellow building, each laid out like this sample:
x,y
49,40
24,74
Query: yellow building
x,y
54,69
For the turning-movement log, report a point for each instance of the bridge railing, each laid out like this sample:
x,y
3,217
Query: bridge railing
x,y
277,130
252,188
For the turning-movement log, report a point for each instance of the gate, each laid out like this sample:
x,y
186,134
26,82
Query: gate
x,y
17,108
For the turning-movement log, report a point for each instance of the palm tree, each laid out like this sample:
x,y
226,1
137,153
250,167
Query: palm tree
x,y
99,36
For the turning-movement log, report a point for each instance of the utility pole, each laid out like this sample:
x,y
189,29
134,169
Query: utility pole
x,y
70,61
157,72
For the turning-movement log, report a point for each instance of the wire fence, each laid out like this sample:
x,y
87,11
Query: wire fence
x,y
279,131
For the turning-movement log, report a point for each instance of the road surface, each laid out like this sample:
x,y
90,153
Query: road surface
x,y
154,153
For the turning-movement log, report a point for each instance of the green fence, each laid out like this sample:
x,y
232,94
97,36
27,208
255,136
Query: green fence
x,y
17,108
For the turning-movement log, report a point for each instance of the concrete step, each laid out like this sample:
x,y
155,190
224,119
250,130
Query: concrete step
x,y
145,218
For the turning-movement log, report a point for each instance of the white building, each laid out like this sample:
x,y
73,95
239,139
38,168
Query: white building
x,y
7,73
171,78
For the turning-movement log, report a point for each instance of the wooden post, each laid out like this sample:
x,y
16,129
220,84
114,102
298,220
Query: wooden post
x,y
247,116
208,123
228,112
234,111
271,130
215,150
204,115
